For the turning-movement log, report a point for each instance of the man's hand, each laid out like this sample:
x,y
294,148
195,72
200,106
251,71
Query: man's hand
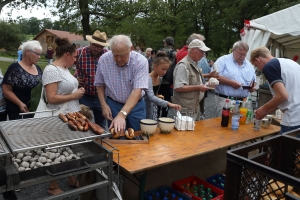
x,y
106,112
119,123
203,88
261,113
213,74
235,84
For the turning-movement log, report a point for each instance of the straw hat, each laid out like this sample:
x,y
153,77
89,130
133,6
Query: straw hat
x,y
98,38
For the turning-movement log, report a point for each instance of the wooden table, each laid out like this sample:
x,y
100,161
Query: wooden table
x,y
164,149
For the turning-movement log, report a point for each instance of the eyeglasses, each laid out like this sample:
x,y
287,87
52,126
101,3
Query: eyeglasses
x,y
241,54
36,53
97,46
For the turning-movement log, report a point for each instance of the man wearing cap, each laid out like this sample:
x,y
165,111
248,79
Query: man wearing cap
x,y
188,79
86,65
234,72
184,50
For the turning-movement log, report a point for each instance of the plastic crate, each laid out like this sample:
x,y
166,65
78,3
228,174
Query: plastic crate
x,y
294,133
219,181
253,171
216,192
161,191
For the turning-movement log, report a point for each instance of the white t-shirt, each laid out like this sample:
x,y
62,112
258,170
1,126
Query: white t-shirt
x,y
67,84
286,71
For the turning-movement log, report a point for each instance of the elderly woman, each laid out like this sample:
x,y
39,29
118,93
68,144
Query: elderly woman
x,y
20,78
62,89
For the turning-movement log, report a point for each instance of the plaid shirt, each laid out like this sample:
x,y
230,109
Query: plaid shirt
x,y
120,81
86,68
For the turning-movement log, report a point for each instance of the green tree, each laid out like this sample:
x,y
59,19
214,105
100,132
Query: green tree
x,y
10,36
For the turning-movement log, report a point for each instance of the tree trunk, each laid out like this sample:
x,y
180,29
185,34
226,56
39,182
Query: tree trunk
x,y
85,22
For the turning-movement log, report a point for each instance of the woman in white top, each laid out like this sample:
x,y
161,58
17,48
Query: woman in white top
x,y
61,87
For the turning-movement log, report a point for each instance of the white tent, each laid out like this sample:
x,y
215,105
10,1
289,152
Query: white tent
x,y
280,31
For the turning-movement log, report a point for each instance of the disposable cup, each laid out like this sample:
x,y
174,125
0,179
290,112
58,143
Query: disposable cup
x,y
257,123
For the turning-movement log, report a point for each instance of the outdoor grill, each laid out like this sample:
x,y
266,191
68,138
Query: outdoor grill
x,y
51,133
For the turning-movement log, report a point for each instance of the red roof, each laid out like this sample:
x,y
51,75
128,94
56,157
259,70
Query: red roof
x,y
61,34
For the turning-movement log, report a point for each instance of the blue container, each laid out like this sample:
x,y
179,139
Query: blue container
x,y
217,180
161,190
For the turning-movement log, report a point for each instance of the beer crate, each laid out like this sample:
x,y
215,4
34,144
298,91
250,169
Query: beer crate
x,y
164,191
217,180
179,186
269,169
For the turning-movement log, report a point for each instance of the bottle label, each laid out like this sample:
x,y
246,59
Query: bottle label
x,y
225,112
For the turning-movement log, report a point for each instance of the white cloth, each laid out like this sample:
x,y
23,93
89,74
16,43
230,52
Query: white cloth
x,y
67,84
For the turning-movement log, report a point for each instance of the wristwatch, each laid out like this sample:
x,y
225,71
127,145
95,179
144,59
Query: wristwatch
x,y
124,113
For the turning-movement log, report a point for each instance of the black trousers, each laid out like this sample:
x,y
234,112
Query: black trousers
x,y
167,92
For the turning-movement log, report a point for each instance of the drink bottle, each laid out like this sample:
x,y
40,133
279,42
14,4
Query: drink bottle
x,y
249,111
235,121
225,114
243,112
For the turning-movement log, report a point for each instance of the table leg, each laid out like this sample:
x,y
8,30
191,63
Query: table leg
x,y
142,185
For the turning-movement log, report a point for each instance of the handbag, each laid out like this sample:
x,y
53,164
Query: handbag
x,y
42,109
35,97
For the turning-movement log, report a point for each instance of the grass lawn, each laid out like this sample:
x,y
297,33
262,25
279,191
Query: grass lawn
x,y
42,63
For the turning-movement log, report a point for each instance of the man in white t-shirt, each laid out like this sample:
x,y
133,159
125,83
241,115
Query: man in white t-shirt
x,y
283,77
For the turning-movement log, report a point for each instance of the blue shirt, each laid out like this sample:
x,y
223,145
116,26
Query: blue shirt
x,y
230,69
203,64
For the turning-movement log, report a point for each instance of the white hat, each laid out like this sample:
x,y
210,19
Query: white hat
x,y
196,43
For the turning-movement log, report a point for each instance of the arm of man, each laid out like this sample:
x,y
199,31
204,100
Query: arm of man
x,y
106,111
119,122
190,88
281,96
11,96
213,74
225,81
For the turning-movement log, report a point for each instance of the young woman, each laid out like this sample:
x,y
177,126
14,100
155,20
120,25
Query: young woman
x,y
62,89
161,64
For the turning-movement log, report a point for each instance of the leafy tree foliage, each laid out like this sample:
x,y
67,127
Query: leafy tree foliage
x,y
10,36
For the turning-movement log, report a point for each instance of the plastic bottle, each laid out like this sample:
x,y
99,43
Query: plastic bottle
x,y
156,196
243,112
225,114
231,106
188,187
208,193
235,121
202,194
249,111
173,197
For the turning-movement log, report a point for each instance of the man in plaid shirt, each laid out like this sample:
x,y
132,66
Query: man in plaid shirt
x,y
87,60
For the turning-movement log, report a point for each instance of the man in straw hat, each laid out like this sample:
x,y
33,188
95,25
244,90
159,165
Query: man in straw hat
x,y
86,65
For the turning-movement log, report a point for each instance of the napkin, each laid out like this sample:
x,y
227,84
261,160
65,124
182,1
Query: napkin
x,y
183,123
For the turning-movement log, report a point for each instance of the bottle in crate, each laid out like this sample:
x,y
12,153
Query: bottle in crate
x,y
173,197
208,193
156,196
202,194
167,194
188,187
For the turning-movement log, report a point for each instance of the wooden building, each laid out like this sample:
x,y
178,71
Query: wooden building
x,y
46,38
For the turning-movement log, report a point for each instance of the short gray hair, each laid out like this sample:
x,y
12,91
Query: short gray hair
x,y
148,49
32,45
195,36
240,45
120,39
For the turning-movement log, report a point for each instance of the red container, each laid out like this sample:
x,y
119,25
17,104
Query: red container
x,y
177,185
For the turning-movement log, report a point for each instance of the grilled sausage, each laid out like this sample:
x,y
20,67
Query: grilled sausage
x,y
100,130
78,124
86,127
63,117
73,115
72,125
80,115
69,116
82,121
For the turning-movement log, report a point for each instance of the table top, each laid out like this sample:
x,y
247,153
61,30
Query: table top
x,y
163,149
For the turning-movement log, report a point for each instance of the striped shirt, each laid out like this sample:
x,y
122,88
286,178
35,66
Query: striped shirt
x,y
120,81
229,68
86,68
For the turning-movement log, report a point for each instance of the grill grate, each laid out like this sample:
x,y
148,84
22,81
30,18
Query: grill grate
x,y
34,133
3,149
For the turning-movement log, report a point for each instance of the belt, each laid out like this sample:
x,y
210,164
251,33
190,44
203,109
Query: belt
x,y
120,102
229,97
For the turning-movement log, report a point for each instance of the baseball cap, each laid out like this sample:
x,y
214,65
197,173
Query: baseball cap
x,y
199,44
169,40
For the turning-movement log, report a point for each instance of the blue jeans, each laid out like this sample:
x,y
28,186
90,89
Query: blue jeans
x,y
94,104
133,118
288,128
